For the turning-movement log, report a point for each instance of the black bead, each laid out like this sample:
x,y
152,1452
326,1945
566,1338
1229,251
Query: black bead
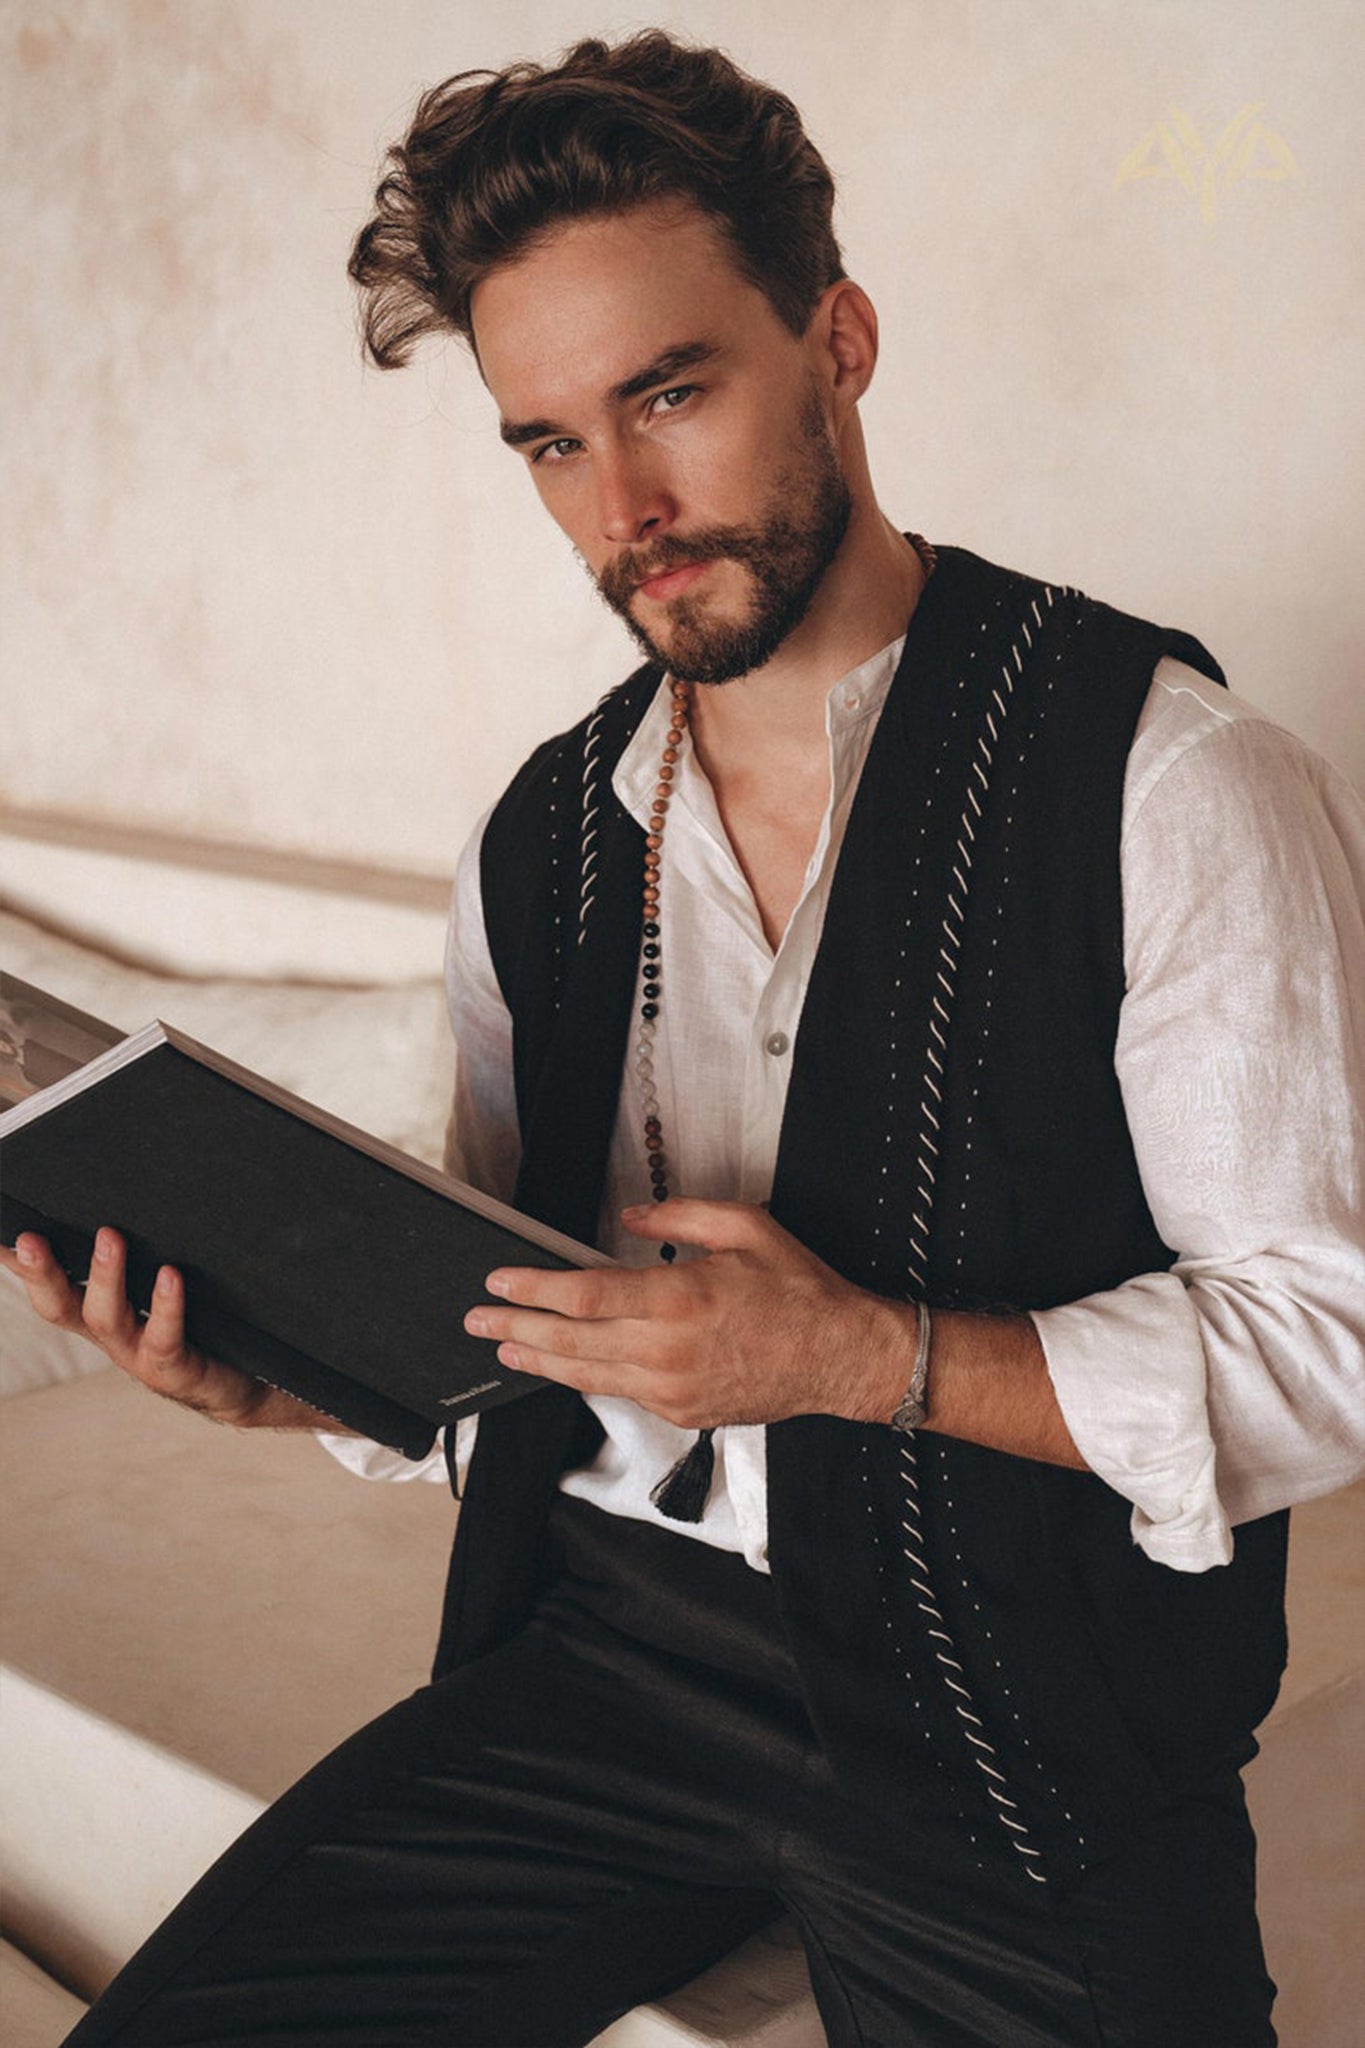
x,y
650,950
651,929
649,1011
651,990
660,1193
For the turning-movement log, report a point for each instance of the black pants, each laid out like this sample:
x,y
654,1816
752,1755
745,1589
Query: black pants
x,y
585,1819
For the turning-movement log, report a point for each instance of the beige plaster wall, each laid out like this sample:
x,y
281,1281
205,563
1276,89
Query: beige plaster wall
x,y
251,590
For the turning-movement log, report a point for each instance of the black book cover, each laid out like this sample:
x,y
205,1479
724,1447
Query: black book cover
x,y
314,1256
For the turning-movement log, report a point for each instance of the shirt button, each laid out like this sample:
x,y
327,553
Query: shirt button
x,y
851,700
776,1043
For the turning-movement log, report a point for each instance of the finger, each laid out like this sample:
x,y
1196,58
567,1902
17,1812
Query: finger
x,y
161,1344
716,1226
676,1401
108,1314
167,1365
587,1375
595,1293
165,1362
26,1253
50,1293
565,1337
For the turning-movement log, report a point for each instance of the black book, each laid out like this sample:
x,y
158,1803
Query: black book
x,y
315,1257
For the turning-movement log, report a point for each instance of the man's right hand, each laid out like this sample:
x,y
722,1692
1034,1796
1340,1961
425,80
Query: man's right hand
x,y
151,1349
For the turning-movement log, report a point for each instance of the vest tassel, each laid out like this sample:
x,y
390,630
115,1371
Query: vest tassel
x,y
681,1494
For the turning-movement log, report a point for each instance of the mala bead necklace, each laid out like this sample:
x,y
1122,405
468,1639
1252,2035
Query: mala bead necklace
x,y
681,1493
651,956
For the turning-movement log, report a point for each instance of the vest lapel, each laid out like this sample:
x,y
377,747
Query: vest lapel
x,y
572,1106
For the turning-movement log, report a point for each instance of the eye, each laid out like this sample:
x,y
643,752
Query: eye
x,y
670,400
555,451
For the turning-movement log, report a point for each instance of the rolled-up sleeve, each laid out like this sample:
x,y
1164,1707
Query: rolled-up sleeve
x,y
1232,1385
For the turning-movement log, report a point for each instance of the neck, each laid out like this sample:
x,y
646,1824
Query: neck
x,y
778,712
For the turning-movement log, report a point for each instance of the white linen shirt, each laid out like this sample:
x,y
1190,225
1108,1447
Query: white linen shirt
x,y
1207,1395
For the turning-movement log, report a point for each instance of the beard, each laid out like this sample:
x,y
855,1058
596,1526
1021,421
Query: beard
x,y
786,552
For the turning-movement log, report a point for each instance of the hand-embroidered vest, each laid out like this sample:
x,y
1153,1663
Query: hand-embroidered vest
x,y
977,1633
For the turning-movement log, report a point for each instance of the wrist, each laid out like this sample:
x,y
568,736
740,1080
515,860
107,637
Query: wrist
x,y
912,1410
262,1406
881,1365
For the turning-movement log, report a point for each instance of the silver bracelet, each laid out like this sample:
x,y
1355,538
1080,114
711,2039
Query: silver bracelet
x,y
914,1406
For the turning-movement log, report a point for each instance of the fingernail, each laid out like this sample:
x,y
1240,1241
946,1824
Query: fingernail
x,y
496,1283
476,1323
104,1244
165,1281
636,1213
28,1252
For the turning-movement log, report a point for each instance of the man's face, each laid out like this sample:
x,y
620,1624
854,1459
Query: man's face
x,y
674,428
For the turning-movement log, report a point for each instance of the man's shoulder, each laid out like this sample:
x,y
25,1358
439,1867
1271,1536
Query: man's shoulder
x,y
1188,722
1218,793
1184,706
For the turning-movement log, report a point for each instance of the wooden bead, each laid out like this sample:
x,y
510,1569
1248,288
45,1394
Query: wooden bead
x,y
651,951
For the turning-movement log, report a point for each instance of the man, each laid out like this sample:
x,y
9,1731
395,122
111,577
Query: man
x,y
944,973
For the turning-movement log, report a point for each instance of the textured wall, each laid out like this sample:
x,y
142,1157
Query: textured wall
x,y
252,590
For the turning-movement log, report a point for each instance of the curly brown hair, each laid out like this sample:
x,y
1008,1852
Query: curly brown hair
x,y
495,158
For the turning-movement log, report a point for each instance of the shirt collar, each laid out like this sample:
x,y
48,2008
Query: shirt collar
x,y
857,696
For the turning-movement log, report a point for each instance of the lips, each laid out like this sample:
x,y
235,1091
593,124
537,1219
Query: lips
x,y
670,583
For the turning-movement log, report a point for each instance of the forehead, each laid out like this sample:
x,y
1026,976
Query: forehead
x,y
586,306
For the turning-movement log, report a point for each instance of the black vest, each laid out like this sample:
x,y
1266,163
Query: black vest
x,y
977,1633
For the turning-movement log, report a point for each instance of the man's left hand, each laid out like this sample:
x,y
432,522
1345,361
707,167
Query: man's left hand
x,y
759,1330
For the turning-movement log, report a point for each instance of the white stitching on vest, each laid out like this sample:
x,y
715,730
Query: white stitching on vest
x,y
926,1155
592,749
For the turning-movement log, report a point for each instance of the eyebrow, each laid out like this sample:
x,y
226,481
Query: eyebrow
x,y
686,356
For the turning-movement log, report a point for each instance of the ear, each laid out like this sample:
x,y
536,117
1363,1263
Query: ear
x,y
843,334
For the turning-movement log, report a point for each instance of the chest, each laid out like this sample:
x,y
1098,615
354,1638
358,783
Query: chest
x,y
773,828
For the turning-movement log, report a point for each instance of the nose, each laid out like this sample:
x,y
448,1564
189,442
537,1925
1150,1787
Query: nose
x,y
633,503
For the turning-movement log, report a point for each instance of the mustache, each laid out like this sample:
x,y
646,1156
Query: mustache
x,y
618,581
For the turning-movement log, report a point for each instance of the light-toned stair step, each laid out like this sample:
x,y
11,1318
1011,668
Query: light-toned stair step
x,y
105,1831
35,2011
